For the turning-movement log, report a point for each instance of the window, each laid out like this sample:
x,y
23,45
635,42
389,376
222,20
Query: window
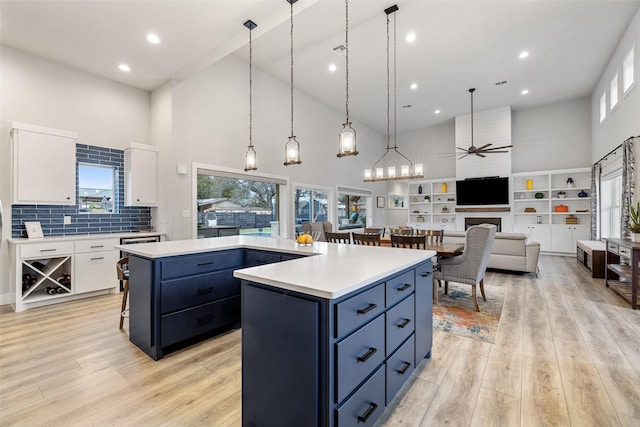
x,y
628,72
610,204
603,107
228,199
310,205
354,208
613,92
96,188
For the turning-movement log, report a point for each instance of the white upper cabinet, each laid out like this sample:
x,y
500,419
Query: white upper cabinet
x,y
44,165
141,175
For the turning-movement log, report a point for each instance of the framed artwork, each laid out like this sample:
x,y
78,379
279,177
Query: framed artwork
x,y
380,202
34,229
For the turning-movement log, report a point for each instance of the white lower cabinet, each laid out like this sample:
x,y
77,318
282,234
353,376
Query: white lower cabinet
x,y
54,271
540,233
564,237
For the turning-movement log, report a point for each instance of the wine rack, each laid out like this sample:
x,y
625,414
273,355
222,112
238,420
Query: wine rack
x,y
49,278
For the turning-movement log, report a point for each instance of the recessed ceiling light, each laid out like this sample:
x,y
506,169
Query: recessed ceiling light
x,y
124,67
523,54
332,67
414,86
411,37
437,112
524,91
153,38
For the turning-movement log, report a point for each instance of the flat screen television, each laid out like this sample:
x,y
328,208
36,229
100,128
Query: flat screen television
x,y
482,191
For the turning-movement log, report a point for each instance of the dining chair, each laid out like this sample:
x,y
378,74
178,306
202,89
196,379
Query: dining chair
x,y
340,237
433,236
470,267
402,231
371,230
411,242
122,269
317,230
372,239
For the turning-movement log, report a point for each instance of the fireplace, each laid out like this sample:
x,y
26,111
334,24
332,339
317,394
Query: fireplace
x,y
469,221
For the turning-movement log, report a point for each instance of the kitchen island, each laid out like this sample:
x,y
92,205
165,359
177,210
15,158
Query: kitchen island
x,y
330,333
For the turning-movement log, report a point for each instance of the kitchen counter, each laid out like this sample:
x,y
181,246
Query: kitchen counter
x,y
328,270
77,237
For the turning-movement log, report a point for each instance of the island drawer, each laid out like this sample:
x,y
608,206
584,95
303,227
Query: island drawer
x,y
399,367
46,250
187,265
186,292
399,287
366,405
359,309
188,323
253,258
358,355
400,323
612,247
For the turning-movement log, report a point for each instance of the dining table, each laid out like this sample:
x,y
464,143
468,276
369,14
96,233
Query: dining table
x,y
442,249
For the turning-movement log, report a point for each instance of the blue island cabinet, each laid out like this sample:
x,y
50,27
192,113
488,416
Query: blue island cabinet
x,y
173,299
310,361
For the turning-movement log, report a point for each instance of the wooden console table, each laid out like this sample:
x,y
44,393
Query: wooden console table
x,y
590,254
622,271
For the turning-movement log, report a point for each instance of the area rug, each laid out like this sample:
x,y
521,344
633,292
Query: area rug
x,y
455,312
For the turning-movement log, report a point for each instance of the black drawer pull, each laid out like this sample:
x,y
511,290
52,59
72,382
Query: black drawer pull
x,y
404,323
97,258
202,264
97,246
367,355
367,309
204,291
404,287
48,250
425,274
404,368
205,319
363,418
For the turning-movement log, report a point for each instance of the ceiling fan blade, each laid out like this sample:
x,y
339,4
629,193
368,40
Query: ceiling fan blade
x,y
483,147
480,154
462,157
493,152
462,149
499,148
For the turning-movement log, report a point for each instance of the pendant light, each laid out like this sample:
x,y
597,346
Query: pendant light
x,y
292,147
347,136
392,154
250,160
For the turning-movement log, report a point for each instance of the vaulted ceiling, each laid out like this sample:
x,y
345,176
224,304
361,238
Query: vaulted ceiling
x,y
459,44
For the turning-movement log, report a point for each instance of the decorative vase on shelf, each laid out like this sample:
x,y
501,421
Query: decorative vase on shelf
x,y
529,184
419,189
444,187
569,182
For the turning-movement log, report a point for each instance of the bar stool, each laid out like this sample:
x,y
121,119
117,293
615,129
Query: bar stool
x,y
122,267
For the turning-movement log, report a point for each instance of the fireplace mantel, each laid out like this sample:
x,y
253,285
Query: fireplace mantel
x,y
485,209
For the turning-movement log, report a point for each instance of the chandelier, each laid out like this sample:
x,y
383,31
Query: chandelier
x,y
392,159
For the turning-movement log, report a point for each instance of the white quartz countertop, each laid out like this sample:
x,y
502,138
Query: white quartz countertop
x,y
334,270
76,237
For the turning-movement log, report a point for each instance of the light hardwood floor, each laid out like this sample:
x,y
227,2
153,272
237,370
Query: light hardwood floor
x,y
567,353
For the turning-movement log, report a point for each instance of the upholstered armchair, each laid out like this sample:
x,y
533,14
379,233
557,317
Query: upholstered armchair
x,y
471,266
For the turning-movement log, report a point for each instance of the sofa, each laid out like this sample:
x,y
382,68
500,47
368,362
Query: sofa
x,y
510,251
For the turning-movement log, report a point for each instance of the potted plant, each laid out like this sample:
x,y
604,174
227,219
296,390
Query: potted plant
x,y
634,222
96,208
562,194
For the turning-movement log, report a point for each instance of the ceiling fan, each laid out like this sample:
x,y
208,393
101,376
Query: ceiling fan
x,y
483,150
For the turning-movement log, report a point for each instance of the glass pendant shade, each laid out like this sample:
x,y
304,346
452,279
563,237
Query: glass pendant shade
x,y
292,152
418,169
250,160
404,171
367,175
379,173
347,141
391,172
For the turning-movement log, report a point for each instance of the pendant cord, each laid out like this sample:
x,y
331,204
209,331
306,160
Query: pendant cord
x,y
388,90
346,58
472,118
395,91
291,68
250,91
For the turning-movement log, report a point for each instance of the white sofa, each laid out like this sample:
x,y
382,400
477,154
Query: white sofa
x,y
510,251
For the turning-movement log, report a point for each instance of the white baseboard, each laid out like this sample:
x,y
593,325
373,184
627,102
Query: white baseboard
x,y
6,299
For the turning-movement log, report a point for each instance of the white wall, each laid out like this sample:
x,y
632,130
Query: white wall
x,y
624,121
42,92
552,136
211,126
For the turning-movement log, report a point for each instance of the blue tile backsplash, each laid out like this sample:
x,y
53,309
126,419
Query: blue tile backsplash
x,y
127,219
